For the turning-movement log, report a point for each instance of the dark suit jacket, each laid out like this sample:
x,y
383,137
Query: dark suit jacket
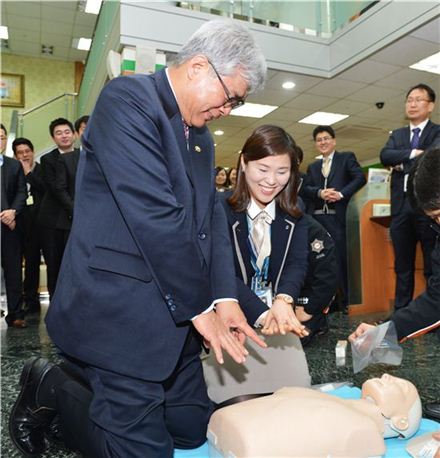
x,y
13,186
65,180
397,151
346,176
287,262
423,313
52,214
149,246
36,189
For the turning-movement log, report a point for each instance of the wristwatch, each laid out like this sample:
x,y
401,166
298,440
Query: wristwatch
x,y
285,298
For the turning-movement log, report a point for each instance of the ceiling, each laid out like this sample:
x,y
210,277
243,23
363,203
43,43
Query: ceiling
x,y
383,77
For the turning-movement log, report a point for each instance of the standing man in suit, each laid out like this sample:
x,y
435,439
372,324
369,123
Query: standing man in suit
x,y
24,152
53,218
408,225
13,199
147,259
329,185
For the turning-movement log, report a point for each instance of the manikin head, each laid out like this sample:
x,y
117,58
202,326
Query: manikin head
x,y
399,403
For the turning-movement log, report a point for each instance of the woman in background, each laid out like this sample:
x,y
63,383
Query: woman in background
x,y
269,238
221,179
232,177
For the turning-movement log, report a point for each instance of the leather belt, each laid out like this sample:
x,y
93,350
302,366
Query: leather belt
x,y
324,212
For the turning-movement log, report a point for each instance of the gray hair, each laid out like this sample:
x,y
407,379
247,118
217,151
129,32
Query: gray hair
x,y
230,47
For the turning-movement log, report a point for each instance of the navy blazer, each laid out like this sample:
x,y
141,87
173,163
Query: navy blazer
x,y
397,151
287,262
149,247
346,176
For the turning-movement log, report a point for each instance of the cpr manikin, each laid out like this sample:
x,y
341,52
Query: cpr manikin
x,y
302,422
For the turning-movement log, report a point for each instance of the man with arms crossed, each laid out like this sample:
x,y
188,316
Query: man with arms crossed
x,y
147,257
408,226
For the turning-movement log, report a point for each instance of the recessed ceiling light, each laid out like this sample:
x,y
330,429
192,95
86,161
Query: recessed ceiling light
x,y
84,44
93,6
4,35
253,110
218,132
429,64
323,118
288,85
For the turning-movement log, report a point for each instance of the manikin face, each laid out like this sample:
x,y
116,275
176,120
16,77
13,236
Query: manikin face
x,y
266,177
207,94
220,178
398,402
418,107
325,143
63,137
3,141
24,154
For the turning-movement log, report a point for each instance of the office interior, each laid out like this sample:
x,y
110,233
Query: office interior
x,y
352,58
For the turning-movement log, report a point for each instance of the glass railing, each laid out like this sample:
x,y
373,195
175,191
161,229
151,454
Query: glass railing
x,y
34,123
313,17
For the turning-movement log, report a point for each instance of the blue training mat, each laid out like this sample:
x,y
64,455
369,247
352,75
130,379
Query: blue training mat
x,y
395,447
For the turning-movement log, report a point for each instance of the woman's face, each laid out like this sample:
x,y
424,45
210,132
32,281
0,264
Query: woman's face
x,y
233,177
266,177
220,178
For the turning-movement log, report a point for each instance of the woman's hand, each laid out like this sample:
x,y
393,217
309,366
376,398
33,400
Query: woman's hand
x,y
281,319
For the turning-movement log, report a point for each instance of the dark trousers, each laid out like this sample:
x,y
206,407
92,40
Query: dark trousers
x,y
407,228
53,243
338,232
32,258
11,264
123,417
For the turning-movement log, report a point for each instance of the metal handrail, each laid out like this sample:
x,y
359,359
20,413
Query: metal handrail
x,y
47,102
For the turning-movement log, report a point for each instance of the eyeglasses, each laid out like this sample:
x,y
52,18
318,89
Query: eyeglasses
x,y
323,139
417,100
231,102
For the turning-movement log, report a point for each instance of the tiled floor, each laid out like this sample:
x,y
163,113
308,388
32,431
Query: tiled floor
x,y
421,365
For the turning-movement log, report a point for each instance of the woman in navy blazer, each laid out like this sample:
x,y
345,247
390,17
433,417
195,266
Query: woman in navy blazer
x,y
267,179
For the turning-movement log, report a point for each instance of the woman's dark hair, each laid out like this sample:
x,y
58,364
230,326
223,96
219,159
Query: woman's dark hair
x,y
268,140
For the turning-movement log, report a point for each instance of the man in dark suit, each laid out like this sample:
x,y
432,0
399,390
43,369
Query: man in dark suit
x,y
24,152
408,226
13,199
52,217
147,258
328,187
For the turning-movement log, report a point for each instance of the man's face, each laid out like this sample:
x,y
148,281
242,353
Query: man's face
x,y
63,136
435,215
208,96
3,141
418,107
81,130
325,143
24,154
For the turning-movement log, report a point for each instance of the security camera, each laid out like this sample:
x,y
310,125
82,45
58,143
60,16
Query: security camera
x,y
380,105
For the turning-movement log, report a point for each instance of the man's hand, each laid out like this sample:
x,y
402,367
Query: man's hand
x,y
218,337
334,196
7,216
326,193
361,329
233,318
27,168
281,319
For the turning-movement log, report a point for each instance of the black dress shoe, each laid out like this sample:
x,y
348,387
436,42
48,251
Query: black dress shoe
x,y
432,410
29,420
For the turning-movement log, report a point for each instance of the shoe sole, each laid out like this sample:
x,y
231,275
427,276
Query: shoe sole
x,y
23,380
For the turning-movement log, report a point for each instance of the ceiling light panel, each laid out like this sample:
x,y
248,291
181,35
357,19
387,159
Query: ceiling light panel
x,y
323,118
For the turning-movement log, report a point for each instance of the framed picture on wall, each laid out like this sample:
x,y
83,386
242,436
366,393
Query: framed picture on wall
x,y
11,90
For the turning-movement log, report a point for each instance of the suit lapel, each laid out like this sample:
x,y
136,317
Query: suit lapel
x,y
281,229
425,134
238,222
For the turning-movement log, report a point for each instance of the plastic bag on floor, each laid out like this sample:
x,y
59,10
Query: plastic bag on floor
x,y
377,345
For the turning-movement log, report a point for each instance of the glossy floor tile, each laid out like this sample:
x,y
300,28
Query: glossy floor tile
x,y
421,365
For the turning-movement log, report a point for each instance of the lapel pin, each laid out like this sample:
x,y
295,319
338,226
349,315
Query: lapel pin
x,y
197,149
